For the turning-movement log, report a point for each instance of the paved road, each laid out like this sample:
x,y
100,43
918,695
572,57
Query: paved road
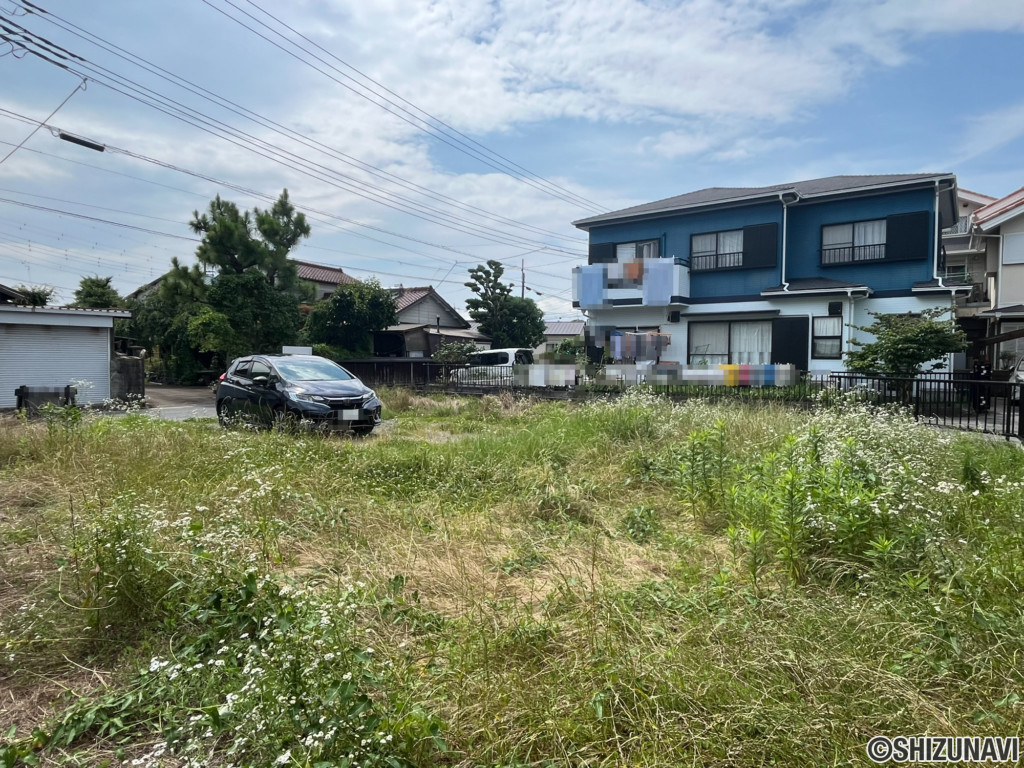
x,y
181,412
164,395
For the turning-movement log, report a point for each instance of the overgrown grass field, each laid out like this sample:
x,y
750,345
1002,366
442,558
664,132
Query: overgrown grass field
x,y
496,582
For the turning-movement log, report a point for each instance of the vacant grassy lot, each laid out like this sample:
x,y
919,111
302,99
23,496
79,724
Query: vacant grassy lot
x,y
502,583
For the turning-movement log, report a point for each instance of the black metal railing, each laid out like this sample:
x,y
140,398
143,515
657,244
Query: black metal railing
x,y
945,399
849,254
949,399
716,261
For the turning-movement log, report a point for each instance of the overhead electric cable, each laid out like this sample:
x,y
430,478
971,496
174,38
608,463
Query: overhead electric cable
x,y
33,133
192,114
551,189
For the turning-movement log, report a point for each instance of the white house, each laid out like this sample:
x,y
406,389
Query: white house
x,y
55,347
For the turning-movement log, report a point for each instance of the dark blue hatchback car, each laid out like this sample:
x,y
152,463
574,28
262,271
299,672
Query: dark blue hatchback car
x,y
303,389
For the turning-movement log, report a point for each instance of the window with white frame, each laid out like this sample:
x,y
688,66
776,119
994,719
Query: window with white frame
x,y
737,342
827,338
716,250
854,242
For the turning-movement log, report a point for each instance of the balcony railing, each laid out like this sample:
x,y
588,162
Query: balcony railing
x,y
717,261
962,227
851,254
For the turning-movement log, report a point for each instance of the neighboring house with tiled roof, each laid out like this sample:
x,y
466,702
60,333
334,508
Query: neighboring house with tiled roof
x,y
326,278
425,320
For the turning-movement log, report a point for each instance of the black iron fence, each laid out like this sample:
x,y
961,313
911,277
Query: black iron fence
x,y
949,399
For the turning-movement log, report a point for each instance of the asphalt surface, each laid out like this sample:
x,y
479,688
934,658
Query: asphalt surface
x,y
164,395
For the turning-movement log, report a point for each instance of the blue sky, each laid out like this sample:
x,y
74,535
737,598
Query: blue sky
x,y
618,101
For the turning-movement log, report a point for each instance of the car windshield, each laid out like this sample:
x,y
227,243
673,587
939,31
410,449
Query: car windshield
x,y
311,370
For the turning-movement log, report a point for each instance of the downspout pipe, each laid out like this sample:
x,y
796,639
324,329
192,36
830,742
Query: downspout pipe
x,y
785,221
938,244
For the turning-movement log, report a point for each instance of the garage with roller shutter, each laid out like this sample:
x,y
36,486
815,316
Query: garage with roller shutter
x,y
54,347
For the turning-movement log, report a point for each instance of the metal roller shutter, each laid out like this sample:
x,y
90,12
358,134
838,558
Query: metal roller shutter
x,y
54,356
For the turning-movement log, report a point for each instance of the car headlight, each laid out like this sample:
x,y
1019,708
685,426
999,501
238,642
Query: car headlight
x,y
369,395
307,398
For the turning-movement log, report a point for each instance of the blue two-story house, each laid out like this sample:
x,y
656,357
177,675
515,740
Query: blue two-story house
x,y
770,274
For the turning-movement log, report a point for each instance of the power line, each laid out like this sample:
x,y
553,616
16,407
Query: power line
x,y
217,128
205,93
418,109
33,133
93,218
551,188
261,195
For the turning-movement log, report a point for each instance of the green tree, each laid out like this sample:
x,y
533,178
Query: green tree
x,y
453,352
490,304
905,343
262,317
350,315
211,331
236,241
97,293
521,325
35,296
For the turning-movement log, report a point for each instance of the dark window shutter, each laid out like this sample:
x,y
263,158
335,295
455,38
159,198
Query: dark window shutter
x,y
761,245
602,253
789,341
907,236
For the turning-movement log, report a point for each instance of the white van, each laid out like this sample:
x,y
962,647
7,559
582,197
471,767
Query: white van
x,y
491,367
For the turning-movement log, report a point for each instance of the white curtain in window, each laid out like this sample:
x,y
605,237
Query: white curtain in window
x,y
869,232
837,236
703,244
730,242
709,343
751,343
828,326
625,252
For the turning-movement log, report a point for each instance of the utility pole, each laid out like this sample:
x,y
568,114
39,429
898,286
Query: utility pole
x,y
522,279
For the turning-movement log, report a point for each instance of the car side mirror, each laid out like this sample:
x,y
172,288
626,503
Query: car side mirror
x,y
261,380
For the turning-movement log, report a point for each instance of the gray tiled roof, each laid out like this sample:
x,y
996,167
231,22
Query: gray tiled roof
x,y
715,195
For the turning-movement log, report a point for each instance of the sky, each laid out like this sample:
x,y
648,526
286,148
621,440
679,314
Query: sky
x,y
424,137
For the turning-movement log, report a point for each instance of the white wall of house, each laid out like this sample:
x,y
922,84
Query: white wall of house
x,y
855,312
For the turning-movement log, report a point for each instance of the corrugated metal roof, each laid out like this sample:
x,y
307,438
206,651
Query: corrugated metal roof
x,y
52,310
714,195
321,273
574,328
